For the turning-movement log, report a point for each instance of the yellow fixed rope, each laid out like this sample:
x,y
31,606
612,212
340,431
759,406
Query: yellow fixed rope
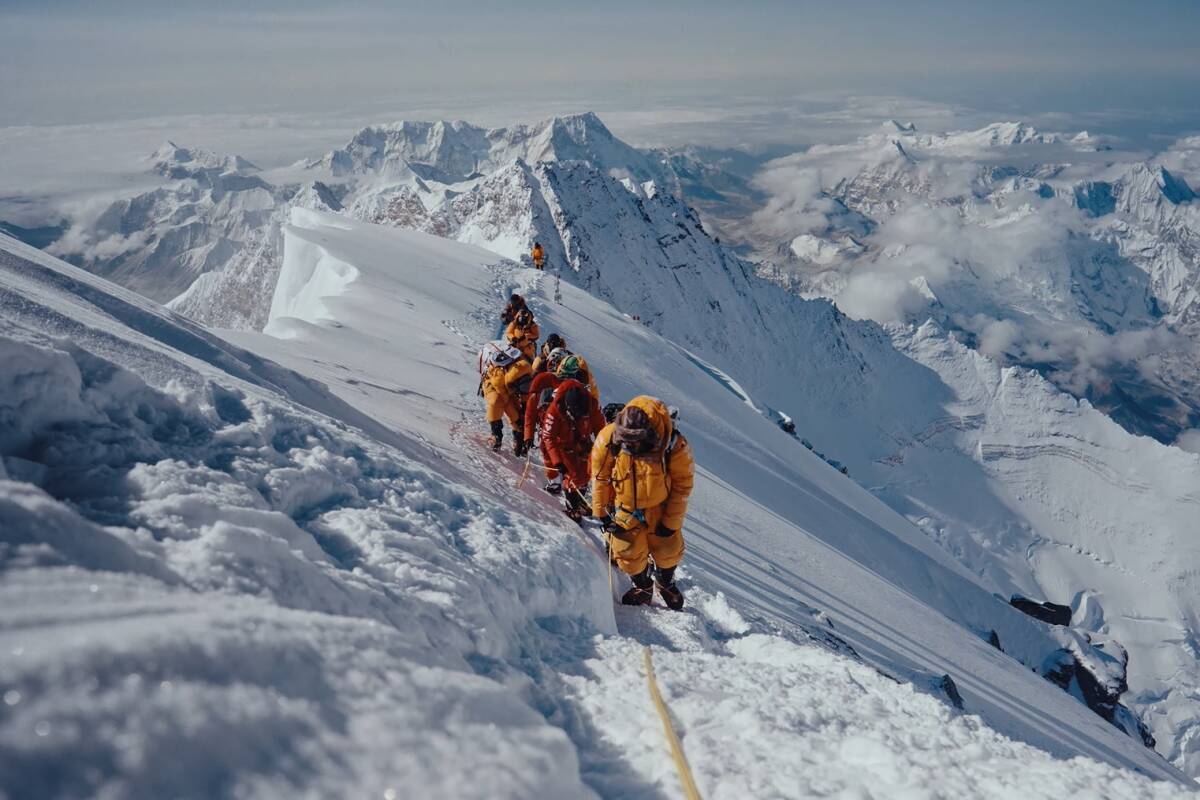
x,y
608,564
685,772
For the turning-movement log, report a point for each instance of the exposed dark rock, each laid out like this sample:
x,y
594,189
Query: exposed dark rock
x,y
1095,198
947,687
1174,188
1066,671
1048,612
994,640
1062,671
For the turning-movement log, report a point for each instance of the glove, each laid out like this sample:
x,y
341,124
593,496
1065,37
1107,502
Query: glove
x,y
610,526
664,531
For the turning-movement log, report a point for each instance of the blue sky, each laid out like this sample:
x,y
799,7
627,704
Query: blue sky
x,y
66,62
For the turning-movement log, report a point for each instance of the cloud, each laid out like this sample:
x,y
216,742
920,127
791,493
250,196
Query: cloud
x,y
986,257
1183,159
87,240
1189,440
796,203
1017,273
999,338
880,296
1081,360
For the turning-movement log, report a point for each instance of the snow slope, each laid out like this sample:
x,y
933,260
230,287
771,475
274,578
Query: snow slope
x,y
926,429
785,554
210,587
931,432
1063,506
221,579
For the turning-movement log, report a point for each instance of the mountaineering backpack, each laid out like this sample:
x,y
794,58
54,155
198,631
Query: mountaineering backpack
x,y
638,479
497,353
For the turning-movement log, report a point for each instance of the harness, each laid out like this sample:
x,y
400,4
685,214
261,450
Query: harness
x,y
614,450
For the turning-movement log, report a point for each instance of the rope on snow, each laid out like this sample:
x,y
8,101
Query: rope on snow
x,y
681,765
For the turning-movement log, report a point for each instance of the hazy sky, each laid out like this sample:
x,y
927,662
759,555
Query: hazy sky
x,y
65,61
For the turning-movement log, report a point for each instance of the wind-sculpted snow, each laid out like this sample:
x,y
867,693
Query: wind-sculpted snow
x,y
785,555
210,590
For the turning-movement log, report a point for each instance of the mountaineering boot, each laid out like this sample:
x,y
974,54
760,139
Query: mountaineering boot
x,y
642,591
497,437
518,444
576,505
554,486
664,579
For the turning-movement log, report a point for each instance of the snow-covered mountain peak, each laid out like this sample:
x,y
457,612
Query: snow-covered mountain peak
x,y
443,148
578,129
994,214
895,126
173,161
454,152
1009,133
995,135
1146,185
316,196
985,142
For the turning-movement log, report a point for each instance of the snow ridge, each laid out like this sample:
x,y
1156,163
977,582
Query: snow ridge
x,y
293,593
917,429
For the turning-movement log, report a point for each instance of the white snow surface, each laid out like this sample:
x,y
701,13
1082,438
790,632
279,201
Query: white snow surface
x,y
800,583
211,588
1026,489
221,579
